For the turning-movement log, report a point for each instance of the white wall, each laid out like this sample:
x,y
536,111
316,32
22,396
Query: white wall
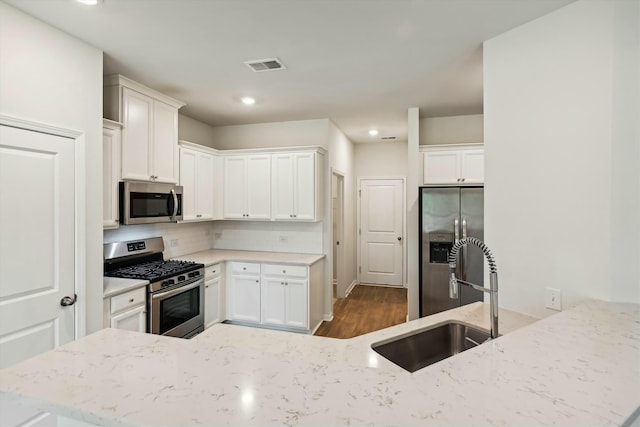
x,y
452,129
272,236
552,193
50,77
187,238
383,159
413,209
195,131
266,135
342,159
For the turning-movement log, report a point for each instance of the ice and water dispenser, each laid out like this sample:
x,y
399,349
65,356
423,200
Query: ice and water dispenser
x,y
440,245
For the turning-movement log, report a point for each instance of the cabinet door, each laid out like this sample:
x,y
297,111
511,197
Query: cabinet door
x,y
212,302
283,187
164,150
296,303
188,174
136,135
111,140
204,198
305,186
131,320
235,184
472,166
259,186
244,298
441,167
273,300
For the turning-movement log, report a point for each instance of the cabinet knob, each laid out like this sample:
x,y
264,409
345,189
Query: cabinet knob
x,y
244,268
131,300
213,271
206,286
462,179
284,271
257,281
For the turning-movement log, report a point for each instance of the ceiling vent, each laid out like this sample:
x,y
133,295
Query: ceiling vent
x,y
388,137
270,64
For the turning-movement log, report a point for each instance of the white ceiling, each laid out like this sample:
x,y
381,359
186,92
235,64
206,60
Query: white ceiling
x,y
361,63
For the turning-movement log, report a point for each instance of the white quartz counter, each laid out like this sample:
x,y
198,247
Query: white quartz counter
x,y
214,256
115,285
579,367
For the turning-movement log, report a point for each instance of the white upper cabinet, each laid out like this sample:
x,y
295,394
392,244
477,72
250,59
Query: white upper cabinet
x,y
111,140
247,187
453,165
150,129
197,179
296,182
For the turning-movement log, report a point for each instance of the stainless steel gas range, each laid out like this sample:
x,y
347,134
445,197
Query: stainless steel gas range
x,y
175,294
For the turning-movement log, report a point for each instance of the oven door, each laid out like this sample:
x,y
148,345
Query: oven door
x,y
150,202
179,311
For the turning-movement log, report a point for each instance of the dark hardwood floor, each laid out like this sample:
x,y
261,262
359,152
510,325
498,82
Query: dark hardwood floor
x,y
366,309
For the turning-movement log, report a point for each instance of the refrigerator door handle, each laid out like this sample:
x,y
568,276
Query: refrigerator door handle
x,y
456,232
463,260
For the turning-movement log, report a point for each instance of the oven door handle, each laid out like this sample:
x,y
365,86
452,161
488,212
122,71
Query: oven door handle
x,y
178,290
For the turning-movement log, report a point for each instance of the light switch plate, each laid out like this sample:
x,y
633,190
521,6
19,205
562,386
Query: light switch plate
x,y
553,299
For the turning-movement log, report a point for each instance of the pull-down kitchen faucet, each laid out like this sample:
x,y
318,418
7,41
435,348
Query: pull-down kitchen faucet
x,y
493,279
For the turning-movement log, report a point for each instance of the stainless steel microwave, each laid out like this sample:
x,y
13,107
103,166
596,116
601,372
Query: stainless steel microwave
x,y
149,202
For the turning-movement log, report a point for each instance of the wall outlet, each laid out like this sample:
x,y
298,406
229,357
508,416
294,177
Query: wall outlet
x,y
283,239
553,299
174,243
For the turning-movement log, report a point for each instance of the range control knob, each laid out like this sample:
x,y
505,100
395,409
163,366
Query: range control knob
x,y
181,278
167,283
194,274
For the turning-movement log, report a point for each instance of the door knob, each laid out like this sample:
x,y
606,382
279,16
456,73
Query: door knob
x,y
67,301
399,238
337,243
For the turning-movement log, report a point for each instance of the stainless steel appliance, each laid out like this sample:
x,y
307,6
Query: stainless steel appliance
x,y
448,214
149,202
175,295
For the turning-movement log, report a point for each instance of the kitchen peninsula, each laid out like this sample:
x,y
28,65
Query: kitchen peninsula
x,y
578,367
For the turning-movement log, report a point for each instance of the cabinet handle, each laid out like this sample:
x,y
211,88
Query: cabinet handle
x,y
462,179
213,271
295,216
282,283
257,281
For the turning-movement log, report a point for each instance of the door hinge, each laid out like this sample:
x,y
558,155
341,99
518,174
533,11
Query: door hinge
x,y
360,193
360,231
360,269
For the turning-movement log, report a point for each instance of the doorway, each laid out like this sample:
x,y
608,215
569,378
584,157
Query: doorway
x,y
381,231
337,233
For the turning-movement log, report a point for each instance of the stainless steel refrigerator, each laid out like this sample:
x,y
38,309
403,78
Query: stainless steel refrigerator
x,y
447,214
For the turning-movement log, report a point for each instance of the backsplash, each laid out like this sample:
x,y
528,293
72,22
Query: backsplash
x,y
179,239
269,236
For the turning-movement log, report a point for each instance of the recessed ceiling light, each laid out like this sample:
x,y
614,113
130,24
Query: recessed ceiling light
x,y
373,132
247,100
89,2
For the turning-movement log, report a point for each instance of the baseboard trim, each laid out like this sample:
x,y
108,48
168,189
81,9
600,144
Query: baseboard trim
x,y
350,288
313,332
328,317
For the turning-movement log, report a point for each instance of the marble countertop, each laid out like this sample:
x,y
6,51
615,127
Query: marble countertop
x,y
214,256
115,285
578,367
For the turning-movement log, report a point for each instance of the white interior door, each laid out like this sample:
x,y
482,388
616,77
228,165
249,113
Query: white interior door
x,y
37,242
381,231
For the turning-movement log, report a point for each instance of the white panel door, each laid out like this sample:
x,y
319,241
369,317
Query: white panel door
x,y
165,142
441,167
305,186
472,166
381,231
273,301
296,303
235,184
283,186
259,186
37,237
136,135
188,174
204,199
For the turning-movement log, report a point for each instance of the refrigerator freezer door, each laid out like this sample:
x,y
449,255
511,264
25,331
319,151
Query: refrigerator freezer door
x,y
440,210
472,223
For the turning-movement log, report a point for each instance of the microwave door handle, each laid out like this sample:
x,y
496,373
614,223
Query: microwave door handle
x,y
175,203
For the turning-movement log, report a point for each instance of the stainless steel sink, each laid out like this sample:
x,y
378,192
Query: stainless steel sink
x,y
428,346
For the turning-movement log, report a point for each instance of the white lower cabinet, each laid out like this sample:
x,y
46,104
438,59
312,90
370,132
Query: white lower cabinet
x,y
268,294
213,287
127,310
243,292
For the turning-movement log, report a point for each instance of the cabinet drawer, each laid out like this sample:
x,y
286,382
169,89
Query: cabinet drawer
x,y
127,300
284,270
213,271
245,267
